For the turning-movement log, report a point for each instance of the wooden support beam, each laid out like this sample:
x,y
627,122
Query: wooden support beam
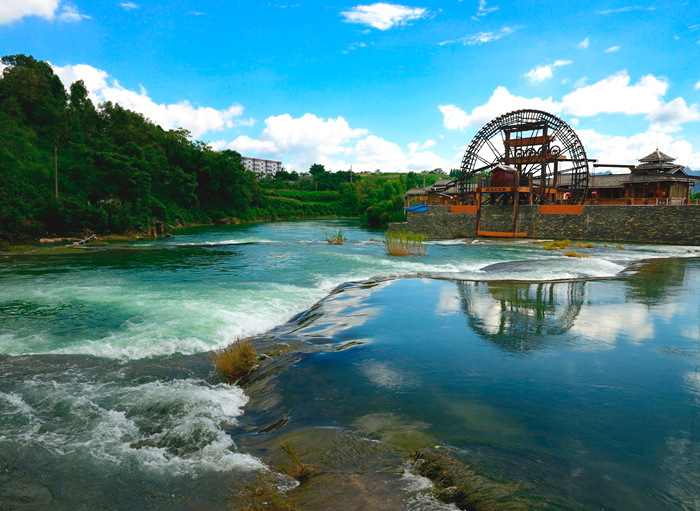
x,y
529,141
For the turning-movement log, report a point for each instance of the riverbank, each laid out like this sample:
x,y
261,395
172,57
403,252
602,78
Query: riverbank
x,y
56,245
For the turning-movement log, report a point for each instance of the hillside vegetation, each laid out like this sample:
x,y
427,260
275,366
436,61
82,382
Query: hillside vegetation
x,y
68,167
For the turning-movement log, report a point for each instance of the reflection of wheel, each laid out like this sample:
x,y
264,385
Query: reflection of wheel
x,y
539,145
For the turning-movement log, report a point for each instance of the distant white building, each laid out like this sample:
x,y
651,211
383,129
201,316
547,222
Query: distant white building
x,y
262,168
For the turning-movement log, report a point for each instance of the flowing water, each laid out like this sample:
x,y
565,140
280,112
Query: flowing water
x,y
575,375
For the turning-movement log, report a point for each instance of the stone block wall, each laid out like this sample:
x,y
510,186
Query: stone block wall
x,y
679,225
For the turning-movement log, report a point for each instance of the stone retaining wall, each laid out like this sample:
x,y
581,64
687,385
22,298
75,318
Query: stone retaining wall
x,y
674,225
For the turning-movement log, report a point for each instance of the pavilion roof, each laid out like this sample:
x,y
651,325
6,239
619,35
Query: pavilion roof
x,y
657,156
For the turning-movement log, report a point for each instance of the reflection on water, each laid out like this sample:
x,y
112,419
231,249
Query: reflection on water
x,y
521,317
602,413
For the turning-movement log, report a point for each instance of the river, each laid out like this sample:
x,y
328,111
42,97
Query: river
x,y
578,376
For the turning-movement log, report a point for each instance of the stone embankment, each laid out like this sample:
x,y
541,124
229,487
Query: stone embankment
x,y
671,225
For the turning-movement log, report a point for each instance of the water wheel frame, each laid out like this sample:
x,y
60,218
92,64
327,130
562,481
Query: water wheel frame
x,y
550,155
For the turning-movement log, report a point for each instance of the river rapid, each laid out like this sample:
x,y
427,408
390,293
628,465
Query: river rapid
x,y
575,375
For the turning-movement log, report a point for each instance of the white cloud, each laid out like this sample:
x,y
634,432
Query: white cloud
x,y
612,49
542,73
383,16
129,6
614,94
483,37
333,143
674,113
584,44
198,120
70,14
483,10
12,10
620,149
500,102
622,10
697,86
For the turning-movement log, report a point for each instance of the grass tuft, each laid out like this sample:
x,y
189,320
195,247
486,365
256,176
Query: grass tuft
x,y
336,238
236,360
403,243
584,245
298,470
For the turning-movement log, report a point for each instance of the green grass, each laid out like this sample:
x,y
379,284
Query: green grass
x,y
403,243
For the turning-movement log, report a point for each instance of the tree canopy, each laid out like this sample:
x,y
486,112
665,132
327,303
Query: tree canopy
x,y
116,171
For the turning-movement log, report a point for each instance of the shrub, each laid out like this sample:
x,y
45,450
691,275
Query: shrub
x,y
236,360
403,243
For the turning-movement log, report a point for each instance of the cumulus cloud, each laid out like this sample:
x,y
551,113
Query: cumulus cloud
x,y
621,149
615,94
500,102
383,16
483,37
332,142
584,44
48,9
197,119
542,73
612,49
697,86
674,113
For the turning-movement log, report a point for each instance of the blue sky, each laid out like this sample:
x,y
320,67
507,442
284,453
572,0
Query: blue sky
x,y
389,86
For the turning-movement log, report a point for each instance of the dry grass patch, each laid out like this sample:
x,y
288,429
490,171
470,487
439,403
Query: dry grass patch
x,y
584,245
236,360
571,253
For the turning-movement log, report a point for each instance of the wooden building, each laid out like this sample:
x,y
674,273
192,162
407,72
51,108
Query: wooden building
x,y
443,192
656,180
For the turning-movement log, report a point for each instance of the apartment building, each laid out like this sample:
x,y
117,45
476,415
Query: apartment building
x,y
262,168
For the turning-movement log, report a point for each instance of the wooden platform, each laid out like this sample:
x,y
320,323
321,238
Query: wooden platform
x,y
496,234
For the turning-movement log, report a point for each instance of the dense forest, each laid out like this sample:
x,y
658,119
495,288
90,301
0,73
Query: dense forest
x,y
68,167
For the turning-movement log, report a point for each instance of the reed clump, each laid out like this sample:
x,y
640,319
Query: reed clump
x,y
571,253
584,245
336,238
403,243
236,361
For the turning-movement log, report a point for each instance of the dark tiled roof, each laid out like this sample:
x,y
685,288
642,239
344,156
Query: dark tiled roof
x,y
657,156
